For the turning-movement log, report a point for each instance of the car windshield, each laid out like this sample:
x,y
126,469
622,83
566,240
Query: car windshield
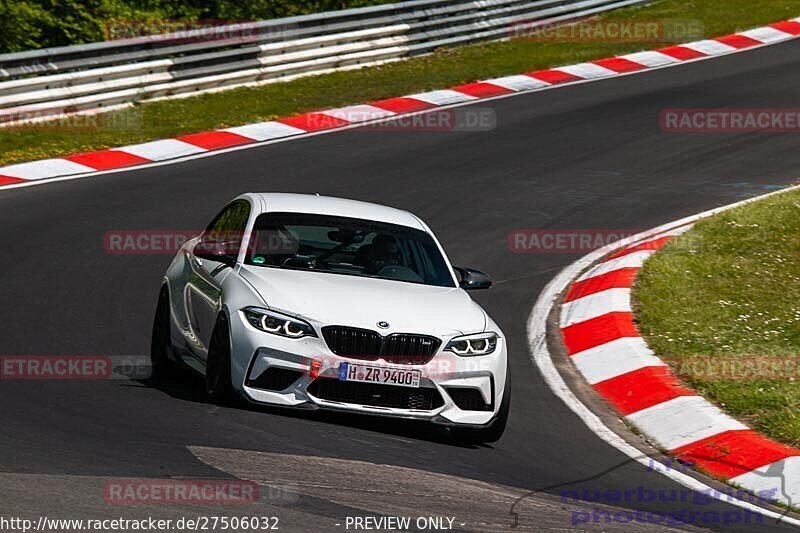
x,y
349,246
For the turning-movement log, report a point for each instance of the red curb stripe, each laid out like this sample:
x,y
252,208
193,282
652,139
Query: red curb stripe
x,y
482,89
619,64
213,140
656,244
408,104
738,41
597,331
732,453
641,389
616,279
553,76
314,122
107,159
402,104
788,26
7,180
681,52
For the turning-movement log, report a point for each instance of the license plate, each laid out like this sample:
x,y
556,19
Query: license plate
x,y
377,374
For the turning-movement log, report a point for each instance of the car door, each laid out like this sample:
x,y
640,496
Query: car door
x,y
212,260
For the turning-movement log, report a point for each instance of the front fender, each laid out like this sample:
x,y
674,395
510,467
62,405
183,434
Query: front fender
x,y
238,294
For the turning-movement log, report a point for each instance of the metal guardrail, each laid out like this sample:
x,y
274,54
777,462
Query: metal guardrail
x,y
107,75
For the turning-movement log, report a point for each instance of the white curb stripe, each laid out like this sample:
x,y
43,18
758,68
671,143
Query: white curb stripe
x,y
651,59
262,131
595,305
519,82
682,421
46,168
767,34
587,71
779,480
614,359
709,47
632,260
358,113
442,97
165,149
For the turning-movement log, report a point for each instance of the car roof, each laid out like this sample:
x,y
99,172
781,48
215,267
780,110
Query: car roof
x,y
328,205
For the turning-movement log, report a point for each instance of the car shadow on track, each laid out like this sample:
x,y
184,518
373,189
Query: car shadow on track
x,y
187,386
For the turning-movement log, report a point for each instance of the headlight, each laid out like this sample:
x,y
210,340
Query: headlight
x,y
278,323
470,345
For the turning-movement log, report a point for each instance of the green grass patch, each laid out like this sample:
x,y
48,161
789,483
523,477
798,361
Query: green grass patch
x,y
31,24
445,68
729,291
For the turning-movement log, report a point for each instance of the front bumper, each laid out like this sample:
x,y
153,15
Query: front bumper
x,y
453,390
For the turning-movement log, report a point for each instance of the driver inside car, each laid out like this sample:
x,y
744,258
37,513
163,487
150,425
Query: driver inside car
x,y
382,252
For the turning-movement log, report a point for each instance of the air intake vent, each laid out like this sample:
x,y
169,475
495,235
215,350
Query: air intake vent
x,y
275,379
468,399
368,345
424,399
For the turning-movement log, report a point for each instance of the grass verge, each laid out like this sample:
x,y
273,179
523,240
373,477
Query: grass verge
x,y
721,305
445,68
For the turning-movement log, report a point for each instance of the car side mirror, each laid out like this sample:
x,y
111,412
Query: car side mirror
x,y
470,279
216,248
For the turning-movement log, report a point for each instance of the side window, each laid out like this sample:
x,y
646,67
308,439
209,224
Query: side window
x,y
227,229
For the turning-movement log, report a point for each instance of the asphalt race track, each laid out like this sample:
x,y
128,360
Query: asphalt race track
x,y
586,156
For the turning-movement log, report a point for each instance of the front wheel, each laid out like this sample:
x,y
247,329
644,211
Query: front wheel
x,y
493,431
218,365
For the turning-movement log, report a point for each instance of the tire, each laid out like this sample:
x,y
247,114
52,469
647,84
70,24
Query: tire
x,y
218,386
493,431
160,338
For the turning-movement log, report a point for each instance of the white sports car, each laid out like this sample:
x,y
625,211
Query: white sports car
x,y
306,301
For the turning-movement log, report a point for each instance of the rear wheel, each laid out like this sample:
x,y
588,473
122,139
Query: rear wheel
x,y
160,338
218,365
493,431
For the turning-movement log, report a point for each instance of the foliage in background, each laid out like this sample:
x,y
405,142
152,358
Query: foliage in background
x,y
29,24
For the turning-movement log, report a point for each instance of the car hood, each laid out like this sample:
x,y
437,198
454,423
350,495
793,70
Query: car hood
x,y
334,299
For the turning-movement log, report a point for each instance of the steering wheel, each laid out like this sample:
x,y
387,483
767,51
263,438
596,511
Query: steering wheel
x,y
400,273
